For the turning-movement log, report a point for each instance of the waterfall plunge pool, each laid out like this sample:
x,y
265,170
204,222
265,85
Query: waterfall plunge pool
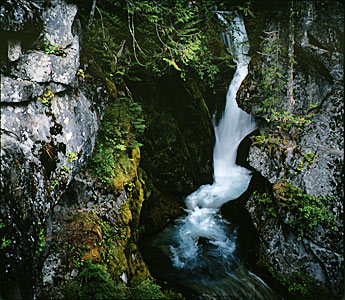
x,y
212,273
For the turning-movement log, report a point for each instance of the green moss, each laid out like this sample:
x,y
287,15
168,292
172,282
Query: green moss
x,y
117,263
92,238
306,211
122,124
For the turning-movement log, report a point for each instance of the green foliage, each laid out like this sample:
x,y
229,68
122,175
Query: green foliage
x,y
64,170
266,200
306,211
313,106
41,241
81,73
308,159
246,9
301,285
122,124
47,97
111,234
157,35
72,156
94,282
49,48
299,7
273,85
54,184
4,242
312,211
285,120
147,289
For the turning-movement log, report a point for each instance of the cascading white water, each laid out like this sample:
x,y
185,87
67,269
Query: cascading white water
x,y
206,258
230,180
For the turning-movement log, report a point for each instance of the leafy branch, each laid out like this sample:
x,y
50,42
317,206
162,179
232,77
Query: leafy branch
x,y
160,34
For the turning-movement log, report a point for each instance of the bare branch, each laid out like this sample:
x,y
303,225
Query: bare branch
x,y
92,12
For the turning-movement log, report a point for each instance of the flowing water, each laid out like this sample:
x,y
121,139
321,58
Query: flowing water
x,y
202,245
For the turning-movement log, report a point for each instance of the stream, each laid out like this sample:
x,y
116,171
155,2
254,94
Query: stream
x,y
200,252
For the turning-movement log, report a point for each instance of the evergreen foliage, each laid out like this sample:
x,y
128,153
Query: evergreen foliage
x,y
273,89
301,285
147,289
157,35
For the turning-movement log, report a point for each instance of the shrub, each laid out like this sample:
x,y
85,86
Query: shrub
x,y
180,34
147,289
94,282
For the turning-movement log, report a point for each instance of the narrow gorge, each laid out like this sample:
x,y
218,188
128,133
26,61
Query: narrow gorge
x,y
172,149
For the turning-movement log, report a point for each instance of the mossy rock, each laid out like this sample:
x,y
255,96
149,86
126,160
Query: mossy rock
x,y
136,265
118,264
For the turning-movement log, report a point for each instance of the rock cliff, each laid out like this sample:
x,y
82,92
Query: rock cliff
x,y
48,129
55,214
295,90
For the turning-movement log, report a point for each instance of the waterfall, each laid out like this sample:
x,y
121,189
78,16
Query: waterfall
x,y
203,221
202,245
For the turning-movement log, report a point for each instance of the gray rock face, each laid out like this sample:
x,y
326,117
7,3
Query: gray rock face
x,y
51,68
42,144
58,20
16,90
311,158
14,50
85,193
16,15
